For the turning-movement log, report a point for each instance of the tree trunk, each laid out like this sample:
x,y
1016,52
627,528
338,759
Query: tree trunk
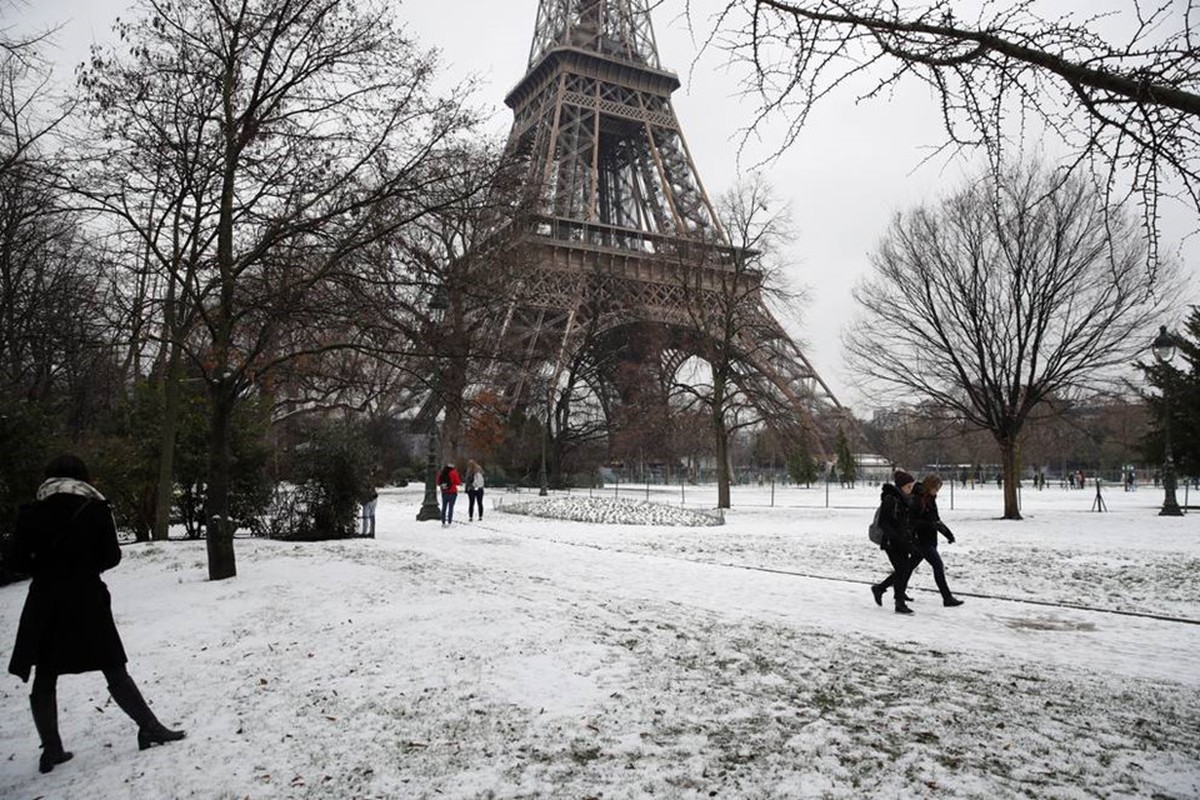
x,y
222,388
452,385
221,563
1011,472
722,438
144,522
165,494
558,448
721,434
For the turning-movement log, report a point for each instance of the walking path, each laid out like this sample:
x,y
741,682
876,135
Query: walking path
x,y
1136,647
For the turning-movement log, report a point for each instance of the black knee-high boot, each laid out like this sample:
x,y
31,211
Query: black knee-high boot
x,y
44,705
150,731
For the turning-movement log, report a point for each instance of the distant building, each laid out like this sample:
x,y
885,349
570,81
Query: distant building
x,y
873,468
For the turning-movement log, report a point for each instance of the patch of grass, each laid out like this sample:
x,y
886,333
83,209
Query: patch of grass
x,y
583,753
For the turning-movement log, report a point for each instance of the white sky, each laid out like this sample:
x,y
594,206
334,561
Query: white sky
x,y
852,168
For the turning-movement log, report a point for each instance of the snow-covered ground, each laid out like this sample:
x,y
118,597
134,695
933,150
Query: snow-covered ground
x,y
527,656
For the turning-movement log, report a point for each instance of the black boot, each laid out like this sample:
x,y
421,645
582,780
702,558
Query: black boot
x,y
150,730
901,608
878,592
950,601
45,719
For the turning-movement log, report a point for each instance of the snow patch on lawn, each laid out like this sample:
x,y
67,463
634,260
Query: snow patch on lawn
x,y
612,511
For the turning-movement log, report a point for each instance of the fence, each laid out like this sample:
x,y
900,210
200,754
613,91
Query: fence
x,y
862,495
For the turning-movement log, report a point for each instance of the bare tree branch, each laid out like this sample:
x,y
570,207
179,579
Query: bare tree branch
x,y
1129,111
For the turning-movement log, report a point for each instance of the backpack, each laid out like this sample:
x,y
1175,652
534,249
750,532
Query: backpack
x,y
875,530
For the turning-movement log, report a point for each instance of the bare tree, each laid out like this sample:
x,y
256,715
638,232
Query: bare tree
x,y
50,296
741,344
452,252
1129,109
51,327
151,176
1001,297
55,350
311,133
25,116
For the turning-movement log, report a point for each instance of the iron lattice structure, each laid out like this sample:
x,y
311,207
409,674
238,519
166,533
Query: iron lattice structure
x,y
618,238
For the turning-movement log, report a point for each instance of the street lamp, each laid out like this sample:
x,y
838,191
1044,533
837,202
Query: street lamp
x,y
1164,351
429,503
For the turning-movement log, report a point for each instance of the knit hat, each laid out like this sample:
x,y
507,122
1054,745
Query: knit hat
x,y
900,477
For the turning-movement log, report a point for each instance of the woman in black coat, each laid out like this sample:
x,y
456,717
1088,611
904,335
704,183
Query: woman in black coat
x,y
65,540
895,517
927,524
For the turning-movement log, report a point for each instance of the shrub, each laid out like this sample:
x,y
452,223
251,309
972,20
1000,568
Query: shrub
x,y
250,487
329,476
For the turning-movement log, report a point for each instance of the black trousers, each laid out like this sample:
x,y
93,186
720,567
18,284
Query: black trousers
x,y
43,700
45,684
902,567
929,552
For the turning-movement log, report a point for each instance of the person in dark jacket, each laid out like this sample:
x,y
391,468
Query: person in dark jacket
x,y
895,517
65,540
927,524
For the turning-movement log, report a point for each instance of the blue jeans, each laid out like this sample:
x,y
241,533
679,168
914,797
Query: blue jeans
x,y
368,518
448,499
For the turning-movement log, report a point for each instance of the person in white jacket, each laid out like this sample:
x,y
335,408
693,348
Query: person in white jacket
x,y
474,485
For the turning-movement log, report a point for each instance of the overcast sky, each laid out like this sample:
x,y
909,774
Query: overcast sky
x,y
851,170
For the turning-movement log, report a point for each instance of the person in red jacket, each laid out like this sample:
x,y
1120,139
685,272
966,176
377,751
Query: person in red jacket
x,y
448,482
65,540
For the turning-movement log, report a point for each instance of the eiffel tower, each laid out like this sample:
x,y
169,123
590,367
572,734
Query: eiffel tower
x,y
619,239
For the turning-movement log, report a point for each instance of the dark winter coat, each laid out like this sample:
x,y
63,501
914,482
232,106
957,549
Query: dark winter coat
x,y
895,517
926,522
65,541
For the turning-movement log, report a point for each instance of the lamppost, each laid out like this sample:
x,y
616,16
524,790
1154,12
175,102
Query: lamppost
x,y
1164,351
429,504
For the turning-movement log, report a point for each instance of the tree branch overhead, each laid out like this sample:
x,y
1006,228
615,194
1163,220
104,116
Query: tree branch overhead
x,y
1128,111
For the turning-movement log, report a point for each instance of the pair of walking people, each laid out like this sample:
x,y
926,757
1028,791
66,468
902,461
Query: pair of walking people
x,y
65,540
909,516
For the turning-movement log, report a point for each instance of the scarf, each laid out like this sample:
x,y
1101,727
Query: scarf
x,y
67,486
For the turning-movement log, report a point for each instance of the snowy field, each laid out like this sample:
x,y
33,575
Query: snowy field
x,y
529,656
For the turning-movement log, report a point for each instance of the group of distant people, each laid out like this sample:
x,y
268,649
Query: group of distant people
x,y
449,482
908,514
